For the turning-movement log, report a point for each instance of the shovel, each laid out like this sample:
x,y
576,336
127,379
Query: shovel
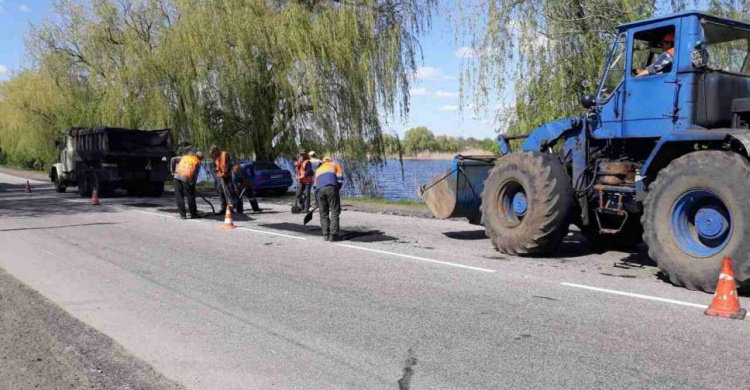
x,y
309,216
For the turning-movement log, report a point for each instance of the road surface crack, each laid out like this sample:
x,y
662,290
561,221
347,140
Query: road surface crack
x,y
411,360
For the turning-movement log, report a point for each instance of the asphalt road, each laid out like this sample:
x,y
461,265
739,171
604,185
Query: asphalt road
x,y
402,303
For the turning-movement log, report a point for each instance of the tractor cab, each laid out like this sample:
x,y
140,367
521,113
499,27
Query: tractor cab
x,y
676,73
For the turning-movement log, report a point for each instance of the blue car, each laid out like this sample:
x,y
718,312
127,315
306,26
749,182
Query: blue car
x,y
268,176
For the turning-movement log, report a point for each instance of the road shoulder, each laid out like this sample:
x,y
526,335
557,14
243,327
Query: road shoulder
x,y
44,347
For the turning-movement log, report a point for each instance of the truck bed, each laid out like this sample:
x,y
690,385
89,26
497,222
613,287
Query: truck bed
x,y
100,142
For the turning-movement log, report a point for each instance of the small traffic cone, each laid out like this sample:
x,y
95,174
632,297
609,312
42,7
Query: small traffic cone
x,y
95,197
28,188
726,304
228,221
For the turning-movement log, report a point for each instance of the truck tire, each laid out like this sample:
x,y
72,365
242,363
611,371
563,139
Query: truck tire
x,y
85,186
526,204
697,211
59,185
156,189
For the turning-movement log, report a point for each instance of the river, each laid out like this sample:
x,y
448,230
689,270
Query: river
x,y
395,187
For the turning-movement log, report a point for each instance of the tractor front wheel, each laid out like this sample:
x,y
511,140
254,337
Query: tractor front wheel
x,y
697,211
526,204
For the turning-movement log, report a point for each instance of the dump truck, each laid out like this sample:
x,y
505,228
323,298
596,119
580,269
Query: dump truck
x,y
108,158
660,154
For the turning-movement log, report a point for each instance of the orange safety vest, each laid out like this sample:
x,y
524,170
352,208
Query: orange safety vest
x,y
187,168
222,165
301,172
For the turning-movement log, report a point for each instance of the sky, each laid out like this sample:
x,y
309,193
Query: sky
x,y
434,93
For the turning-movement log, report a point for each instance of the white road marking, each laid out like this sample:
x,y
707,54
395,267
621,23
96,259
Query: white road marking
x,y
27,197
419,258
157,214
632,295
272,233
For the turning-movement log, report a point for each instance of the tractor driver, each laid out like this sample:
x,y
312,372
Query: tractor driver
x,y
663,62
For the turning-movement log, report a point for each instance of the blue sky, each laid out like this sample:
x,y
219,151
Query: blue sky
x,y
434,93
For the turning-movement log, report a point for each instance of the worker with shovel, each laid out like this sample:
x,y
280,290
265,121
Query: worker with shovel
x,y
186,175
329,178
224,178
245,187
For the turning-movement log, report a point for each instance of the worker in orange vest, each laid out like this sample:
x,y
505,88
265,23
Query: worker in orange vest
x,y
185,177
224,183
245,185
663,62
329,178
305,176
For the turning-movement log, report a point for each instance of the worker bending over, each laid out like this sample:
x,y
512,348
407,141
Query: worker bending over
x,y
186,175
328,181
245,186
224,179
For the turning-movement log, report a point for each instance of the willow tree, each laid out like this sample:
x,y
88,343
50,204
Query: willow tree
x,y
255,76
550,50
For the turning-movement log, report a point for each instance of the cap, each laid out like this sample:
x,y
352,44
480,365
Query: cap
x,y
311,153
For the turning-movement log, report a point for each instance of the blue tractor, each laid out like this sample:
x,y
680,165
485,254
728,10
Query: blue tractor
x,y
661,155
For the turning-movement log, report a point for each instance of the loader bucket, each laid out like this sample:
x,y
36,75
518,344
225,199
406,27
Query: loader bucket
x,y
458,192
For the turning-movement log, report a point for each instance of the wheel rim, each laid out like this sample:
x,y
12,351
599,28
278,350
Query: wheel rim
x,y
511,203
701,223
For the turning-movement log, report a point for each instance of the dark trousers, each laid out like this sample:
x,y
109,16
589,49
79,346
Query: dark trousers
x,y
303,196
329,203
250,194
184,190
226,193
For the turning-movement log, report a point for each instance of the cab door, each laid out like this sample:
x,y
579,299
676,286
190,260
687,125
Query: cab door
x,y
650,99
610,95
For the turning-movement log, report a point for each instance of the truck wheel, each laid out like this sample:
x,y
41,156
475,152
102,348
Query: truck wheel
x,y
156,189
59,186
697,211
85,187
526,203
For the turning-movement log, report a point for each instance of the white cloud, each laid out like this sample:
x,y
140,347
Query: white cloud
x,y
432,73
24,8
3,70
449,108
465,52
445,95
419,92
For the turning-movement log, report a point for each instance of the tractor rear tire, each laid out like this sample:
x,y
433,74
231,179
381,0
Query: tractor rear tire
x,y
527,203
697,211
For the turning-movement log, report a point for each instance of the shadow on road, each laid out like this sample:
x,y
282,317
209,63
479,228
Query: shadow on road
x,y
42,202
467,235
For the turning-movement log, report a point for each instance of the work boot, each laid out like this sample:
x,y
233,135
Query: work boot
x,y
334,238
194,216
182,216
327,238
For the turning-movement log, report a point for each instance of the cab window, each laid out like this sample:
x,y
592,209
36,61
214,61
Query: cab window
x,y
648,47
615,71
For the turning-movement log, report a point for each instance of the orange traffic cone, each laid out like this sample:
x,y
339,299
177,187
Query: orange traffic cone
x,y
95,197
28,188
726,304
228,221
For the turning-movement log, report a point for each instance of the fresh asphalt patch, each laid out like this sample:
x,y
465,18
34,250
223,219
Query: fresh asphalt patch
x,y
358,235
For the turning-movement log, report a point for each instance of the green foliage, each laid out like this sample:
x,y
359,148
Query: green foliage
x,y
257,77
550,49
419,139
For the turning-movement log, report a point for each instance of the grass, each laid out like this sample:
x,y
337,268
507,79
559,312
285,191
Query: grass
x,y
379,201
